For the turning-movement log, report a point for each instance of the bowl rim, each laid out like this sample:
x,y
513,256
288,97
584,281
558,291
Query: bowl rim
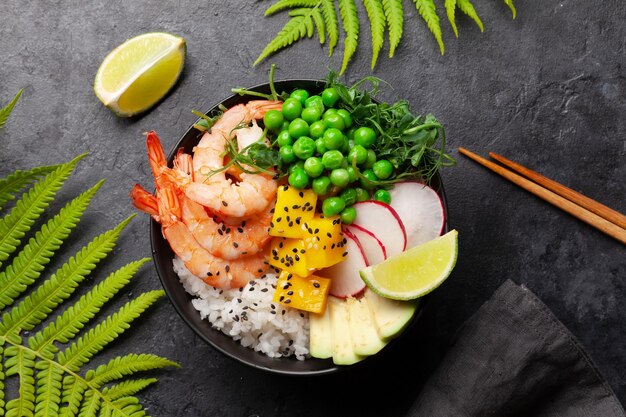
x,y
155,234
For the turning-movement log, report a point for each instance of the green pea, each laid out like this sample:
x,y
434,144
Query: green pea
x,y
383,169
371,159
351,173
298,128
332,159
330,96
349,196
311,115
333,138
285,125
334,120
320,147
320,185
286,154
273,120
382,195
339,177
298,179
333,206
304,147
357,153
296,165
291,108
313,167
284,139
346,116
369,175
300,95
328,112
365,137
315,102
362,194
350,133
348,215
317,129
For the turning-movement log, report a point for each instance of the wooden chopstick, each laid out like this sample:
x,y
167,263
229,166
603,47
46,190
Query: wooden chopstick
x,y
573,196
564,204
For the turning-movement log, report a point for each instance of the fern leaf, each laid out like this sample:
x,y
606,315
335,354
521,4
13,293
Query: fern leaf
x,y
374,9
289,4
306,13
21,362
512,7
37,306
394,12
90,405
294,30
318,19
467,7
28,265
14,226
73,390
428,11
6,110
125,365
126,388
1,379
350,19
19,180
450,6
332,24
49,383
68,324
130,407
81,351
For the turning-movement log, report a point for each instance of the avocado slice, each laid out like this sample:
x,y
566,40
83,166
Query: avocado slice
x,y
365,339
320,338
343,351
389,316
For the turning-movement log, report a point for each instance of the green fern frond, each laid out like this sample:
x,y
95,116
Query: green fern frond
x,y
125,365
294,30
30,262
467,7
319,24
27,210
81,351
36,307
394,12
19,180
1,379
332,24
126,388
512,7
6,110
49,384
289,4
308,21
73,390
68,324
450,6
428,11
374,9
129,406
21,362
350,19
90,405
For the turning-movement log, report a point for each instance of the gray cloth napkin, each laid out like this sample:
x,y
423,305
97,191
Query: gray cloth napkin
x,y
514,358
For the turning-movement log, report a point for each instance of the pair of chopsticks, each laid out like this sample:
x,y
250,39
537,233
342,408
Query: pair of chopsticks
x,y
590,211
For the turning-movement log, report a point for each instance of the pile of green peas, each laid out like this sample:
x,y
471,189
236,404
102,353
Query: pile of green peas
x,y
318,143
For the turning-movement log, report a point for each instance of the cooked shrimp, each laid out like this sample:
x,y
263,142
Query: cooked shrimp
x,y
144,201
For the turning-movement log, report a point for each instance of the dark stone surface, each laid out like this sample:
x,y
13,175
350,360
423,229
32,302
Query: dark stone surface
x,y
547,90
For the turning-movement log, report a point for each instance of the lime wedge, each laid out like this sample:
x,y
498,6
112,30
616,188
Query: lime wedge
x,y
416,272
139,72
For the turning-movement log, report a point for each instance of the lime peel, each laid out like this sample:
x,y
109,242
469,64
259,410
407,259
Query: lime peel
x,y
415,272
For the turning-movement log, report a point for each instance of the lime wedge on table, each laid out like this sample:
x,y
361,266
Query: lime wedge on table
x,y
416,272
139,72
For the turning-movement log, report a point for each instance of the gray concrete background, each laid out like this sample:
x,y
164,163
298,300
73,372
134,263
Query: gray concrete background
x,y
547,90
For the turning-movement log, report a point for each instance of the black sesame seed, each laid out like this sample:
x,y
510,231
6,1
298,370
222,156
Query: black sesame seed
x,y
285,188
272,210
209,274
317,231
244,253
240,230
289,292
220,232
271,224
227,268
239,300
264,290
298,220
301,194
278,219
329,235
227,230
259,271
344,254
282,297
316,284
217,273
290,224
224,203
294,250
273,312
280,245
235,244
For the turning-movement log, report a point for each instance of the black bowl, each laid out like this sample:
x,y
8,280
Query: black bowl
x,y
163,255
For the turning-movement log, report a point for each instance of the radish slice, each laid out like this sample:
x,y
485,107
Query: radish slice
x,y
345,278
420,209
384,223
372,247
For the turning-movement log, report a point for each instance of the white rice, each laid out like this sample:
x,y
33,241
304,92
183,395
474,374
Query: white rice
x,y
249,315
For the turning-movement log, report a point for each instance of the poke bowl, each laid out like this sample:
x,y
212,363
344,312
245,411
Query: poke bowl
x,y
185,304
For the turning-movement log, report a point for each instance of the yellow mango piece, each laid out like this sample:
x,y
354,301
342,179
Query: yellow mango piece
x,y
303,293
289,255
293,208
324,242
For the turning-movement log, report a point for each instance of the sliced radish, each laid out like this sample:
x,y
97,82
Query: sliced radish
x,y
384,223
421,210
345,278
373,249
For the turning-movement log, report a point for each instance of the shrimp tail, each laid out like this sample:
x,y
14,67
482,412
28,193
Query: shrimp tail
x,y
144,201
156,155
